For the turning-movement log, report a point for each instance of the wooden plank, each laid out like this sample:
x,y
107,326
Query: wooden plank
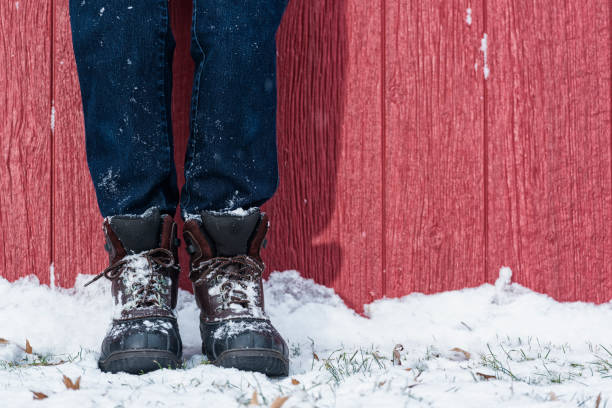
x,y
548,104
434,204
25,131
326,215
77,227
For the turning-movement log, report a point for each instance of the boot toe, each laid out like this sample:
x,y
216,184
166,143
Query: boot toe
x,y
246,344
141,345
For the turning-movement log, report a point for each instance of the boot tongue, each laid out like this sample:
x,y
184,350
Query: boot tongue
x,y
230,232
138,233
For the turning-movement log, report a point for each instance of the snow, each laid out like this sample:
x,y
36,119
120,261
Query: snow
x,y
468,16
138,274
540,352
110,181
484,49
238,212
52,275
52,116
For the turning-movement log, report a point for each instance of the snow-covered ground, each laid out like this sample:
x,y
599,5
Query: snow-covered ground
x,y
512,348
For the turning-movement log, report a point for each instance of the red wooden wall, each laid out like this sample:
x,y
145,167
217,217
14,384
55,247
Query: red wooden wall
x,y
403,168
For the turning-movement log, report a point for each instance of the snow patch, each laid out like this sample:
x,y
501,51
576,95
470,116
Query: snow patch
x,y
52,116
235,328
484,49
468,16
110,181
556,339
138,274
52,275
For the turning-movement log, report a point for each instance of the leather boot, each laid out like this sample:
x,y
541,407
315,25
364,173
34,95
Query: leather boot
x,y
226,271
144,273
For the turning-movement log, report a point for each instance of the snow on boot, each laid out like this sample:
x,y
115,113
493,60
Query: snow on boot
x,y
144,273
226,271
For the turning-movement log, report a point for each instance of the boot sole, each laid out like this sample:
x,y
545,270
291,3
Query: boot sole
x,y
269,362
139,361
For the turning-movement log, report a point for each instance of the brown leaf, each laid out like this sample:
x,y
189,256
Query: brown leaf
x,y
486,376
254,399
39,395
314,355
294,381
277,403
465,354
28,347
397,357
552,396
4,341
72,385
408,369
598,401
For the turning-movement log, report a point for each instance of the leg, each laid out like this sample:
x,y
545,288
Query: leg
x,y
123,53
231,157
231,165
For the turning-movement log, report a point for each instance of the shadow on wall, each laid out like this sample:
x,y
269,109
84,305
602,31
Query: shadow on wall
x,y
312,51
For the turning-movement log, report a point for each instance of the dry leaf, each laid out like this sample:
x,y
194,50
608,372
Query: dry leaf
x,y
39,395
277,403
314,355
460,354
254,399
294,381
4,341
380,384
28,348
72,385
408,369
552,396
397,357
486,376
598,401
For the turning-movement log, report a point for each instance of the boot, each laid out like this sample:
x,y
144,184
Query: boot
x,y
144,273
226,271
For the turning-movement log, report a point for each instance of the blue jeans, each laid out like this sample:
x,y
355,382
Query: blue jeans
x,y
124,50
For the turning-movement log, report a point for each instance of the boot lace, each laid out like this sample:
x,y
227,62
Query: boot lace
x,y
145,286
234,285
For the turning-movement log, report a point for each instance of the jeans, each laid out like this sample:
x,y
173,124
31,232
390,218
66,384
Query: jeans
x,y
123,51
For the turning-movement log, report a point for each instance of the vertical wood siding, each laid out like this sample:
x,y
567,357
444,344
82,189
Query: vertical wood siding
x,y
25,139
402,167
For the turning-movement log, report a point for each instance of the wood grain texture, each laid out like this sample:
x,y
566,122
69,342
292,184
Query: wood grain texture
x,y
25,139
402,168
77,224
326,214
434,204
549,144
